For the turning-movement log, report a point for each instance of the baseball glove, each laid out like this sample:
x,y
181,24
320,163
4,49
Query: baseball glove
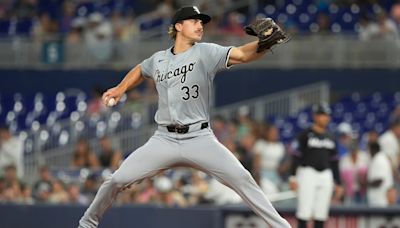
x,y
268,33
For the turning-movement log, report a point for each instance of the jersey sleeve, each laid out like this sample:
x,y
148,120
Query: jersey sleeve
x,y
147,67
216,57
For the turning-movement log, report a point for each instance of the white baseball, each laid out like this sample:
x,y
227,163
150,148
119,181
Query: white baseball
x,y
111,102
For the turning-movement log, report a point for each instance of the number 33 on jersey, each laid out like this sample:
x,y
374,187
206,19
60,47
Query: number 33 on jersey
x,y
184,81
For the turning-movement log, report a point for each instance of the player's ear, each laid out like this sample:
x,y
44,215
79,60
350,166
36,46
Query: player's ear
x,y
178,26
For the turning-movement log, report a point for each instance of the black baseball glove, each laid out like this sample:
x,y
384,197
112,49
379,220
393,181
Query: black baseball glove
x,y
268,33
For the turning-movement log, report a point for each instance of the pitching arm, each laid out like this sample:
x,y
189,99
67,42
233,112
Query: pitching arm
x,y
133,78
245,54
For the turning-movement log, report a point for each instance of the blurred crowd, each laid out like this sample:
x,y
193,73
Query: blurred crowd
x,y
369,168
103,21
105,28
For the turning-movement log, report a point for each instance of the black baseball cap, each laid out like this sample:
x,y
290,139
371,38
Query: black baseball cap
x,y
190,12
321,108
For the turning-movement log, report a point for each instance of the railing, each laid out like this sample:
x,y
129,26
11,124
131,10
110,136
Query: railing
x,y
338,51
60,157
282,103
129,138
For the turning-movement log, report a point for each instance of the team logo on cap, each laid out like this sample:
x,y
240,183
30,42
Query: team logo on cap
x,y
196,9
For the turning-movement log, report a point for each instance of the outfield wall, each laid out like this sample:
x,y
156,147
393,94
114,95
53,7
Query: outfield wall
x,y
231,85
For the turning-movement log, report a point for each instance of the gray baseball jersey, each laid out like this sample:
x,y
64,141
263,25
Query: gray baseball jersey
x,y
184,82
184,85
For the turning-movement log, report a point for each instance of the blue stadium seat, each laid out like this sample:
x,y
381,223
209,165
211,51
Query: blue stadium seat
x,y
4,27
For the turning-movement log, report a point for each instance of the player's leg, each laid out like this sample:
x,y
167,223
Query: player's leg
x,y
207,154
306,179
318,224
323,197
157,154
301,223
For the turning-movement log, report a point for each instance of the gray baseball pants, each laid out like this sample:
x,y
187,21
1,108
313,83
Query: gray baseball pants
x,y
199,149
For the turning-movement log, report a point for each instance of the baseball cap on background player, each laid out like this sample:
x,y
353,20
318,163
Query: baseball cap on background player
x,y
189,12
321,108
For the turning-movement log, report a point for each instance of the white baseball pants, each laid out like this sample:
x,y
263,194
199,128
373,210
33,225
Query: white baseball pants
x,y
315,190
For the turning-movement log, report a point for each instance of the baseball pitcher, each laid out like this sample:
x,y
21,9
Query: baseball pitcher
x,y
183,75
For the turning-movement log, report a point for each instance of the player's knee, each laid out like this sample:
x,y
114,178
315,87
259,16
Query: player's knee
x,y
117,181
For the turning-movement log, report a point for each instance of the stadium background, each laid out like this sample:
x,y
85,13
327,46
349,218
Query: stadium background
x,y
58,56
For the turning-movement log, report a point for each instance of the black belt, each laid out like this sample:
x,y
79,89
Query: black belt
x,y
183,129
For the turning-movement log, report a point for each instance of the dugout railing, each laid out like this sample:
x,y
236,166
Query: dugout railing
x,y
282,103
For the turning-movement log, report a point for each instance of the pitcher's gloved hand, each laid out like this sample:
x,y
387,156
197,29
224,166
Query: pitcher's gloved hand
x,y
268,33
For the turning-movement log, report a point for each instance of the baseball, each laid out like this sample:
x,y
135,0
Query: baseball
x,y
111,102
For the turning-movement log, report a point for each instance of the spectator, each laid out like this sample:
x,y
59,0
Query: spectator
x,y
198,188
109,157
118,23
166,8
90,187
324,23
244,125
129,196
368,28
26,194
68,15
146,193
395,14
269,155
387,28
389,142
368,137
12,191
220,129
75,196
45,29
383,29
75,34
11,151
246,152
167,195
134,103
58,194
83,156
130,29
395,114
43,187
345,138
353,169
233,147
380,177
98,37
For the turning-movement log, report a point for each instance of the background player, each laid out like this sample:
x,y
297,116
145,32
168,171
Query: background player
x,y
316,168
183,76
